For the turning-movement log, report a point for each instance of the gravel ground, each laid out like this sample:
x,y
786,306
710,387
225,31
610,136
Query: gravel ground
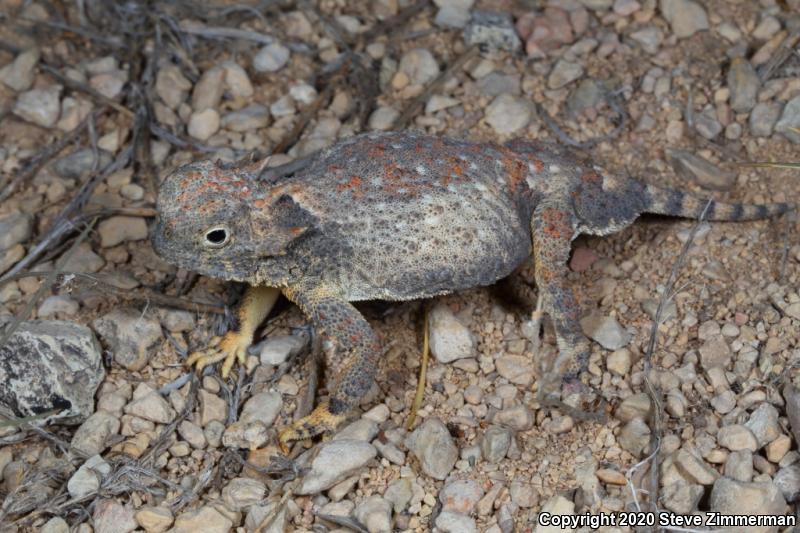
x,y
105,430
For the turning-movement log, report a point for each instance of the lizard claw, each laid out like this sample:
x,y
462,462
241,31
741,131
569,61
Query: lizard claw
x,y
230,348
569,399
320,422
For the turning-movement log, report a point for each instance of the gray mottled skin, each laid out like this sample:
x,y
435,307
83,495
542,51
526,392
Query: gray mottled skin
x,y
398,216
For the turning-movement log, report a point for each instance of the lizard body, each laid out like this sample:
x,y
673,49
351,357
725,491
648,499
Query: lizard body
x,y
399,216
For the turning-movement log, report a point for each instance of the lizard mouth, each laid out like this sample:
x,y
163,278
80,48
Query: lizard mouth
x,y
167,247
160,240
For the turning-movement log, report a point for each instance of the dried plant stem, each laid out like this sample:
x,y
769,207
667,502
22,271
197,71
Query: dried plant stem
x,y
653,391
423,373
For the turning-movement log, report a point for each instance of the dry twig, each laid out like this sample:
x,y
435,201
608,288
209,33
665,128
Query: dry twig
x,y
779,57
417,103
653,390
45,286
35,163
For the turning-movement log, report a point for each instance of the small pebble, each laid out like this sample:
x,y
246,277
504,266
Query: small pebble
x,y
39,106
271,58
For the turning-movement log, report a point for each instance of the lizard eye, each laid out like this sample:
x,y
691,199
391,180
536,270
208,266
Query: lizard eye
x,y
217,237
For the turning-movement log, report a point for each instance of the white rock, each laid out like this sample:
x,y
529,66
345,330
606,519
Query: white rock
x,y
151,407
209,89
557,505
109,84
276,350
619,362
92,435
508,114
737,497
334,462
383,118
246,435
206,519
39,106
118,229
433,445
606,331
263,407
241,492
171,85
694,469
764,424
736,438
248,118
204,124
303,93
154,519
438,102
449,522
19,74
419,65
376,514
237,80
15,228
110,516
449,338
684,16
55,525
271,58
88,477
564,72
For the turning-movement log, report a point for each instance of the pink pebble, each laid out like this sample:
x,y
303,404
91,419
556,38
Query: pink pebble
x,y
582,259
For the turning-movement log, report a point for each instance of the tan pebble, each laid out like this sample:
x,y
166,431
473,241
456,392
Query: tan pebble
x,y
154,519
778,448
400,81
613,477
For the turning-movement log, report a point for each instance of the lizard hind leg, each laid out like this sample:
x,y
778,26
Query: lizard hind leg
x,y
553,227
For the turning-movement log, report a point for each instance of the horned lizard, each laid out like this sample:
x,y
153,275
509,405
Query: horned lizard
x,y
399,216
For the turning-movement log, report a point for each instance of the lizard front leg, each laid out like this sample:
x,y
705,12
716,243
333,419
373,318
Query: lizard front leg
x,y
357,348
256,304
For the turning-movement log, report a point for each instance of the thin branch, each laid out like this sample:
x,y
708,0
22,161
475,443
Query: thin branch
x,y
611,100
308,113
45,286
82,87
653,390
779,57
396,23
35,163
229,33
417,103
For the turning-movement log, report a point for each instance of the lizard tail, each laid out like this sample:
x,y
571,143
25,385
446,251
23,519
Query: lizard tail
x,y
680,204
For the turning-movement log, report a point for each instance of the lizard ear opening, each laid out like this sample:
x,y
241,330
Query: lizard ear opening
x,y
279,225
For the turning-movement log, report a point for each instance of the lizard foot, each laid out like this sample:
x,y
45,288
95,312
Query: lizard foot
x,y
320,422
230,348
575,392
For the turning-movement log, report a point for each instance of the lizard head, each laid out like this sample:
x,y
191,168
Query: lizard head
x,y
219,220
